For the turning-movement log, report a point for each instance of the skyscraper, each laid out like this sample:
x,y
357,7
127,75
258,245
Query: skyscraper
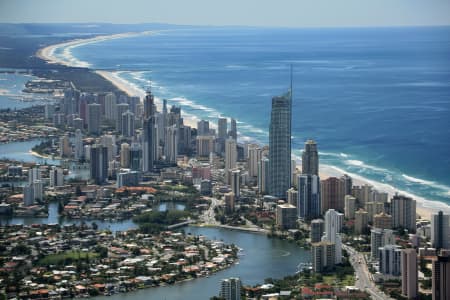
x,y
350,206
317,229
286,216
361,221
280,145
56,177
310,158
404,213
232,134
308,196
78,144
235,182
333,226
390,260
110,106
254,156
135,157
127,124
99,163
230,289
332,194
149,140
125,155
409,273
323,256
203,128
94,118
121,108
440,231
379,238
230,154
263,176
441,278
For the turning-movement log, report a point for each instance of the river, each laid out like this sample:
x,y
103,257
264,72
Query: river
x,y
263,257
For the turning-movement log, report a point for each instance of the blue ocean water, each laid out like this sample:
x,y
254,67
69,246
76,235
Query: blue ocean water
x,y
377,100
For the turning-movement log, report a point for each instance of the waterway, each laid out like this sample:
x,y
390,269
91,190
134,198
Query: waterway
x,y
263,257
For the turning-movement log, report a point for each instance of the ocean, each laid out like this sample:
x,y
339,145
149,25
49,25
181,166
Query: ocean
x,y
376,100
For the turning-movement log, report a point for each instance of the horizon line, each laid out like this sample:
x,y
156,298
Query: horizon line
x,y
84,23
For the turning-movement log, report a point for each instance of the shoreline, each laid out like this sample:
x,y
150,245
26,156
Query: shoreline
x,y
424,207
47,53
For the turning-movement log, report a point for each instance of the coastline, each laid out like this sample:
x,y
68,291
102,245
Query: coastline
x,y
424,207
47,53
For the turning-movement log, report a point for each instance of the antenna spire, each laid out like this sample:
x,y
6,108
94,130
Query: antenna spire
x,y
291,80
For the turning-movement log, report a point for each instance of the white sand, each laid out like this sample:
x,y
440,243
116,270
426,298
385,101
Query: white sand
x,y
424,207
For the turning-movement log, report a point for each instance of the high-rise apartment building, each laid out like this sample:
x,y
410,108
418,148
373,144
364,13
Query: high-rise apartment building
x,y
440,231
127,124
332,194
280,145
263,176
409,273
349,206
310,158
230,154
230,289
379,238
56,177
323,256
441,278
308,196
333,226
99,163
403,213
390,260
317,230
94,118
361,221
286,216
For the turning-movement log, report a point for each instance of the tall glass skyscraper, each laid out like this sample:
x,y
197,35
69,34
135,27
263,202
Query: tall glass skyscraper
x,y
280,145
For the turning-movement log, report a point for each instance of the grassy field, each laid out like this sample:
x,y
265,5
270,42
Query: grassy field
x,y
333,280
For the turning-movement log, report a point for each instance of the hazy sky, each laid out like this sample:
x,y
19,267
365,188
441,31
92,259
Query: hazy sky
x,y
292,13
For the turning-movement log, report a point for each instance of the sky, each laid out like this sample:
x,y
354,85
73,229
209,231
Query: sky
x,y
276,13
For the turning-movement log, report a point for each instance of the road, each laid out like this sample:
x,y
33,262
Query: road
x,y
208,216
364,280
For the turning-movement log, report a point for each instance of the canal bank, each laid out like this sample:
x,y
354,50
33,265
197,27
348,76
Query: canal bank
x,y
263,257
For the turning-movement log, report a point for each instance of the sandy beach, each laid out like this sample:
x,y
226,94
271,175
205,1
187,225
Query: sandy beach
x,y
425,208
48,53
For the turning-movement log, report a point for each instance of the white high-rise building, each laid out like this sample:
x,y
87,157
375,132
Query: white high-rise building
x,y
263,176
333,226
349,206
230,289
378,238
110,106
230,154
254,156
390,260
34,174
56,177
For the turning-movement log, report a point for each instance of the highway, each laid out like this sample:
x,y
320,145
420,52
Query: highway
x,y
363,277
